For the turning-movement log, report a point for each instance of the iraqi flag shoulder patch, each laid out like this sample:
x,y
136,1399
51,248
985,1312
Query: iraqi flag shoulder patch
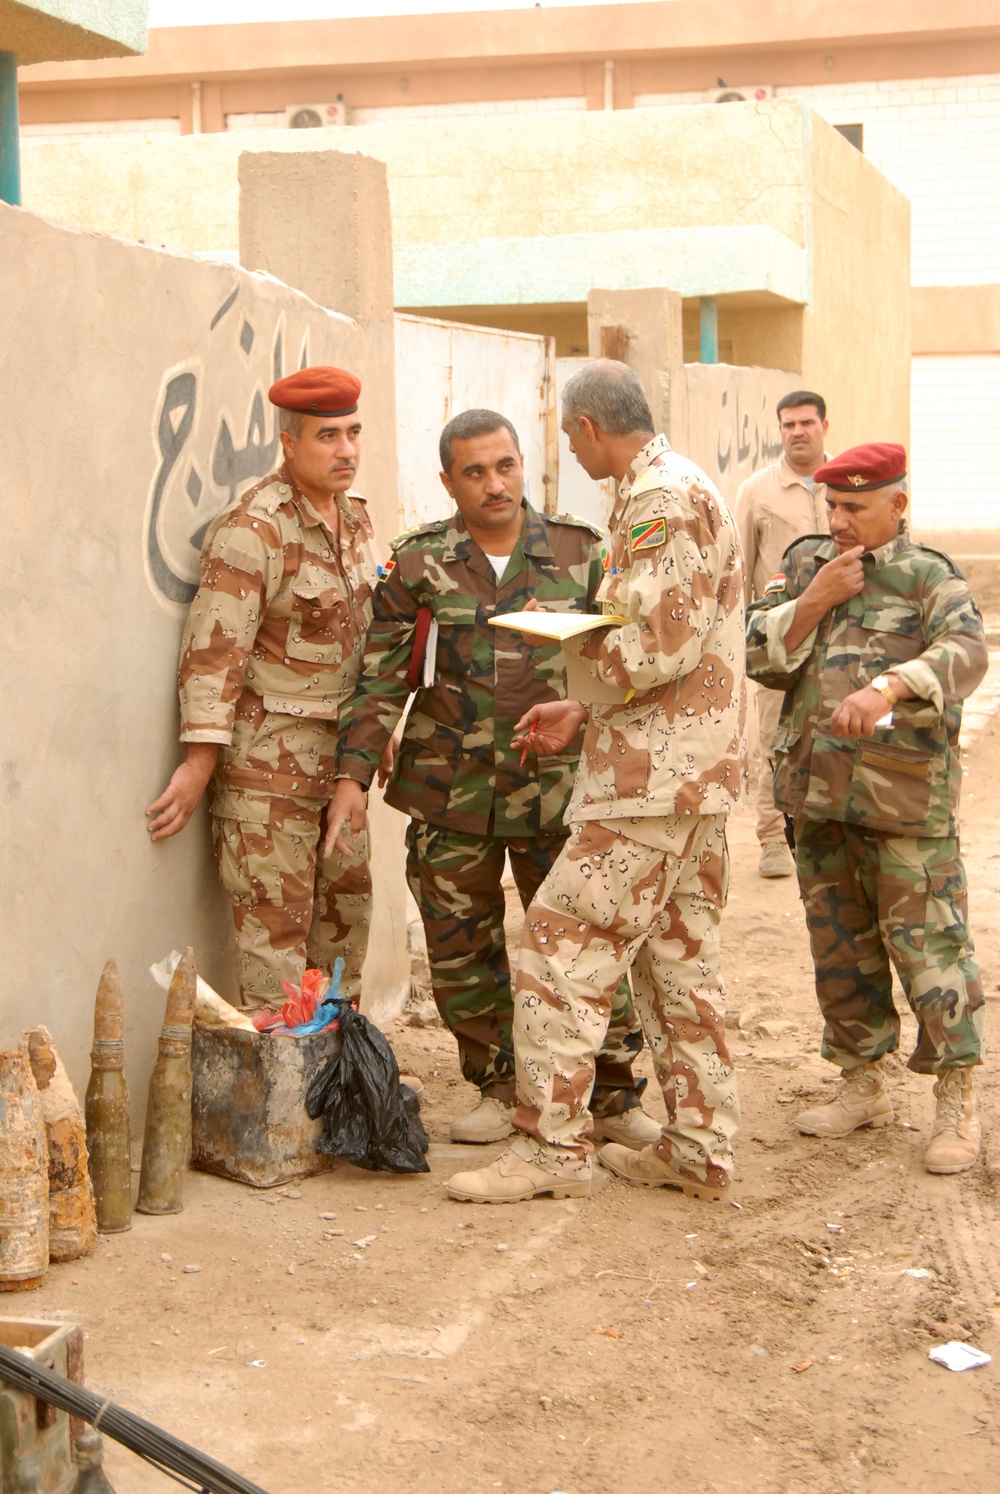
x,y
385,571
776,583
648,535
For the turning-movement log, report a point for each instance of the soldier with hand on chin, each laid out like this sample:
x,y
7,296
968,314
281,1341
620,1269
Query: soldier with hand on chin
x,y
876,641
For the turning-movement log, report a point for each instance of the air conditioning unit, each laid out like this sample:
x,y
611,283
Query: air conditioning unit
x,y
315,116
746,94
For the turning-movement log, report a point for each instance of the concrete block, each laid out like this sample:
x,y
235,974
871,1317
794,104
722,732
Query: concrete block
x,y
651,338
320,222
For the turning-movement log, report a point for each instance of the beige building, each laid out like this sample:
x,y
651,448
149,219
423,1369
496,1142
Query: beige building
x,y
914,84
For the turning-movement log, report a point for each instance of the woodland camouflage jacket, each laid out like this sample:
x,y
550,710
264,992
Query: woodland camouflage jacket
x,y
456,765
915,617
273,638
674,568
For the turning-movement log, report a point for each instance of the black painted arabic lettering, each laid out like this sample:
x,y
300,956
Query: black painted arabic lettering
x,y
180,396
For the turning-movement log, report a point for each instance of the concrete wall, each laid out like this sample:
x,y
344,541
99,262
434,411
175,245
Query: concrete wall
x,y
955,451
758,175
724,419
133,405
454,182
856,330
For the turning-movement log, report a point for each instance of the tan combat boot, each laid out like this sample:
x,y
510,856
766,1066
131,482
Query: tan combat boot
x,y
775,859
633,1128
489,1120
863,1100
651,1171
512,1178
954,1143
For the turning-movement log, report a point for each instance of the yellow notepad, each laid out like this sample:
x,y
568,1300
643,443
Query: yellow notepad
x,y
570,628
557,625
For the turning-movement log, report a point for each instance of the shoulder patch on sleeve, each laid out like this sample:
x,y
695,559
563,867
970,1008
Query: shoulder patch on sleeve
x,y
648,535
776,583
576,521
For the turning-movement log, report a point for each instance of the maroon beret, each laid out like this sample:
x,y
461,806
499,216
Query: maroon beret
x,y
864,467
317,391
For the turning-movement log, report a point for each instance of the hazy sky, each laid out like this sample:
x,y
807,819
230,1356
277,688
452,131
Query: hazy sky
x,y
215,12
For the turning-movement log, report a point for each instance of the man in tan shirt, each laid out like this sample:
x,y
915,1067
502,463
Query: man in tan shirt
x,y
776,506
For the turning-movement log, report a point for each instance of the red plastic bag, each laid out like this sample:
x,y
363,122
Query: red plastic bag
x,y
300,1006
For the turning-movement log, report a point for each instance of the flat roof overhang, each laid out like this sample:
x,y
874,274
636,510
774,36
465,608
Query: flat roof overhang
x,y
61,31
754,263
674,28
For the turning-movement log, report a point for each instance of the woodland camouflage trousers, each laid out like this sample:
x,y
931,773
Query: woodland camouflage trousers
x,y
874,900
291,908
455,880
612,904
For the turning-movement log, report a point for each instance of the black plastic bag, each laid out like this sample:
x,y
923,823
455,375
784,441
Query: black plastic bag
x,y
369,1118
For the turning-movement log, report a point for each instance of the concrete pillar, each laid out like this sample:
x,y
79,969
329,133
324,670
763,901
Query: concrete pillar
x,y
319,221
10,159
643,329
708,326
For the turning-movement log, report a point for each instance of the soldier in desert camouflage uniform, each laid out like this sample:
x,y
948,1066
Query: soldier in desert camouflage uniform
x,y
876,641
642,880
271,649
471,798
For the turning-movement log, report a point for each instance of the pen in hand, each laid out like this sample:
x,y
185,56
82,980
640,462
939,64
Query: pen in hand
x,y
527,742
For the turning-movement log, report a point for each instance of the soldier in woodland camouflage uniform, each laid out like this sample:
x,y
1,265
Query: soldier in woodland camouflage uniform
x,y
270,651
470,796
876,641
642,880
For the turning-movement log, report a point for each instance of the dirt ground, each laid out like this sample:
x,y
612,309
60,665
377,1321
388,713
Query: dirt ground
x,y
775,1343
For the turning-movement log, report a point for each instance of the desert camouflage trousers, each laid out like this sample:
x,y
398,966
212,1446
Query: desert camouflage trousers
x,y
291,907
455,880
612,904
874,900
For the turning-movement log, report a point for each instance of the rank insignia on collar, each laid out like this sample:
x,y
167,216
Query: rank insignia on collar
x,y
857,481
776,583
385,571
648,535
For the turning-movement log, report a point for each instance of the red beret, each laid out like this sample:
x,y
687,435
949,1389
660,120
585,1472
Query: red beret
x,y
864,467
317,391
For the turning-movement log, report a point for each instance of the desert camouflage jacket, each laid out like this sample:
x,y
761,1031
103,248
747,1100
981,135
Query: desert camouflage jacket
x,y
456,765
673,567
916,617
273,638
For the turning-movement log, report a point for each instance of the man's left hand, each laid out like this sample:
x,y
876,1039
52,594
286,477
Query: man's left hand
x,y
348,807
857,714
550,726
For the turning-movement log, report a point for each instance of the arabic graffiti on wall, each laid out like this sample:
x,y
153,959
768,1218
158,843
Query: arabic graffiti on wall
x,y
214,433
727,420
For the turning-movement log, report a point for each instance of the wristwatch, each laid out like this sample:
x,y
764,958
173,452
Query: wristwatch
x,y
882,685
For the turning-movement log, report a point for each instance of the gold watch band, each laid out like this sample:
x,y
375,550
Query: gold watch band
x,y
881,684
